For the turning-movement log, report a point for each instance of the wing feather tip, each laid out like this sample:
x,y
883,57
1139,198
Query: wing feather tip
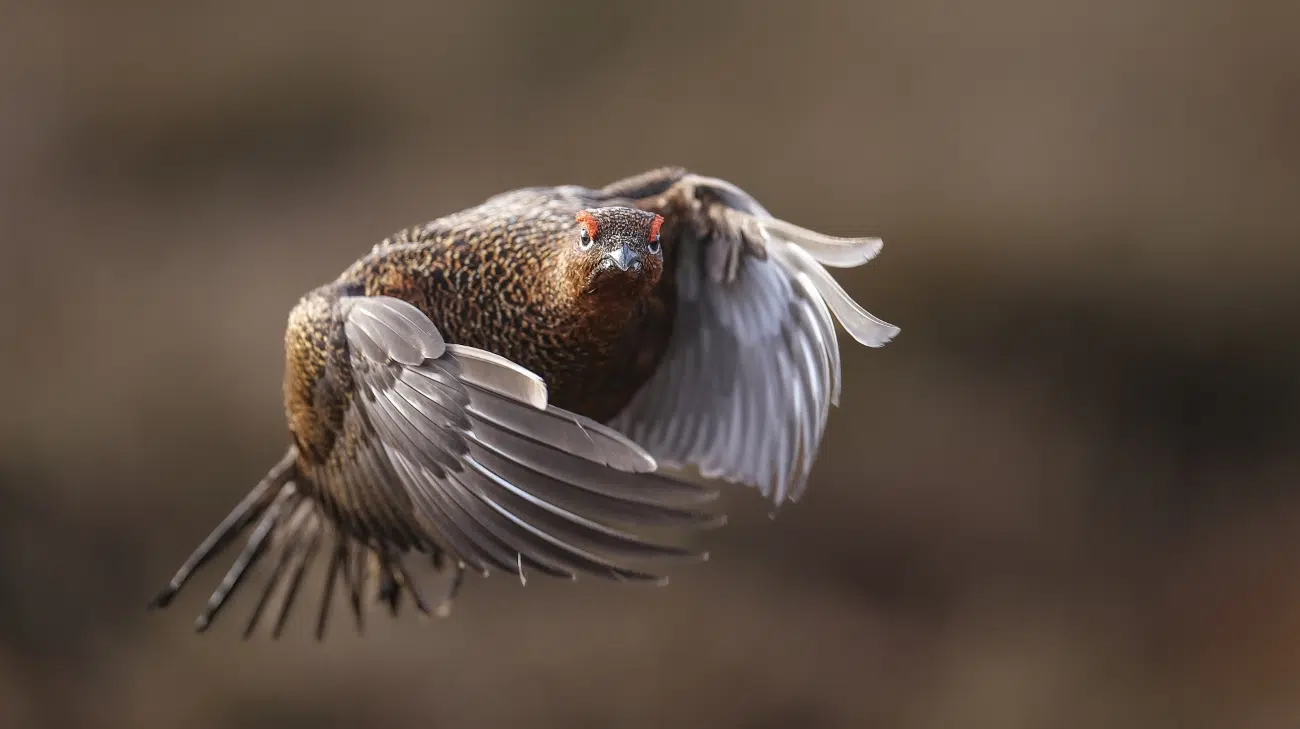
x,y
523,385
826,249
881,336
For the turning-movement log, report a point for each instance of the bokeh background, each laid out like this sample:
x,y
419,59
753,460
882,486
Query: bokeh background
x,y
1065,496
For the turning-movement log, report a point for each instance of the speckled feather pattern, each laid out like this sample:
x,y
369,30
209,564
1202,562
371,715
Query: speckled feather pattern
x,y
317,385
493,277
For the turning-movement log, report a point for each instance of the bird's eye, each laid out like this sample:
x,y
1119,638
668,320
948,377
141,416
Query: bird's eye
x,y
585,242
655,225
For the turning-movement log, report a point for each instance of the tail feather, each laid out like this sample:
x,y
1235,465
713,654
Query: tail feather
x,y
312,533
286,520
252,553
388,592
331,574
353,562
294,534
235,522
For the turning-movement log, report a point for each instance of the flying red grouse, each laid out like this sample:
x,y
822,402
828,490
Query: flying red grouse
x,y
518,385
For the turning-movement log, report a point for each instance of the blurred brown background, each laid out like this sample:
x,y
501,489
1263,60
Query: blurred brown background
x,y
1065,496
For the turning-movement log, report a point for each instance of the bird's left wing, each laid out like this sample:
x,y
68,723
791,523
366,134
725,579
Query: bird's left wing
x,y
745,388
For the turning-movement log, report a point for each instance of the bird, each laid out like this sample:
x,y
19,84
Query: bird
x,y
530,385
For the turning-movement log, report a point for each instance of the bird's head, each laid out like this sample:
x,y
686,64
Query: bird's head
x,y
615,251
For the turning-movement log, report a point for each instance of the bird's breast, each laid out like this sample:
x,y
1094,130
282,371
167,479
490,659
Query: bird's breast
x,y
593,356
621,356
592,363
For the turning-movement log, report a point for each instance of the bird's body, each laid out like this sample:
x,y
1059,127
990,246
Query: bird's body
x,y
497,387
488,278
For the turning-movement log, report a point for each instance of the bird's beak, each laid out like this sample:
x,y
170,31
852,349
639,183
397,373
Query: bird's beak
x,y
624,257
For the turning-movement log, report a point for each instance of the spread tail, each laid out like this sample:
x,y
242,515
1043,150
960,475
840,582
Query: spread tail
x,y
286,521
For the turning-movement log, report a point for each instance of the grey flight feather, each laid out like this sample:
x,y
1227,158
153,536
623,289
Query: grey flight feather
x,y
746,386
487,469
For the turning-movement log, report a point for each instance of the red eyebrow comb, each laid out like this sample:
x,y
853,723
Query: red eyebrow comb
x,y
589,220
654,228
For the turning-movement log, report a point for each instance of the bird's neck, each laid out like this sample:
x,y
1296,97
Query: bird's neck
x,y
603,314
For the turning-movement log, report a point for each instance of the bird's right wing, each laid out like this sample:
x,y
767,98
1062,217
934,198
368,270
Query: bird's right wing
x,y
485,467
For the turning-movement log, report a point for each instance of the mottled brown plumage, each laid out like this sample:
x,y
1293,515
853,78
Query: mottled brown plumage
x,y
515,387
509,277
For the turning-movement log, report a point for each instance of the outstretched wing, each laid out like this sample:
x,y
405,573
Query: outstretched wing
x,y
745,388
492,473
